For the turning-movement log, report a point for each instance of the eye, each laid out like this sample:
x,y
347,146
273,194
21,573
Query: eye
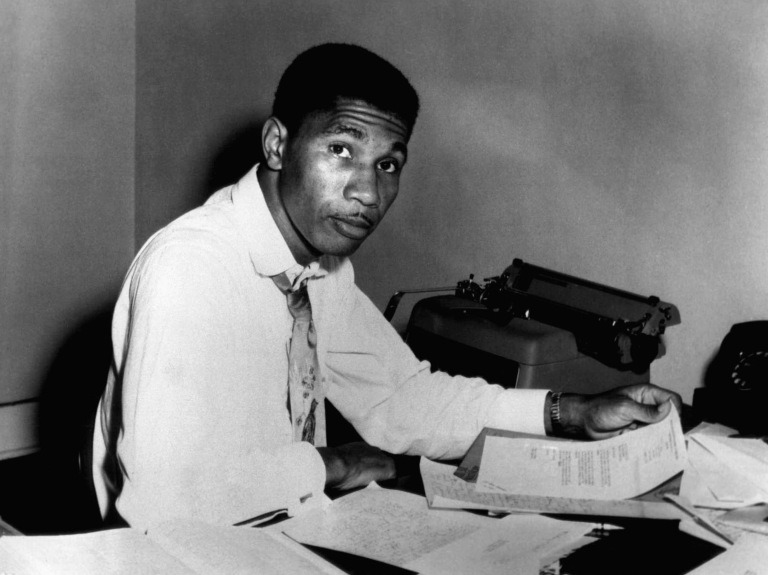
x,y
340,150
389,166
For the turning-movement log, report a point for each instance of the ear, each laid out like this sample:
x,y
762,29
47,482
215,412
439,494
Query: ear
x,y
274,138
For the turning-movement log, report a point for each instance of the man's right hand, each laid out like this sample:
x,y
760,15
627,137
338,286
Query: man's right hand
x,y
615,411
355,465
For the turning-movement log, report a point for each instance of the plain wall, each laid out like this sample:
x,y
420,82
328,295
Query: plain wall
x,y
620,141
66,190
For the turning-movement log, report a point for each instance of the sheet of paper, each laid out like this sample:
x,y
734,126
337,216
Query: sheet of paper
x,y
696,491
691,528
755,448
112,552
730,451
752,518
392,526
515,544
445,490
173,548
749,556
713,429
722,478
621,467
222,550
470,465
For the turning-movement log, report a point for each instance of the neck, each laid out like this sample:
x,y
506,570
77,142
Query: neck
x,y
269,180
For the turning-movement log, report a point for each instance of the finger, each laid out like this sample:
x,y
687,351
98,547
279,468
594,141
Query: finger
x,y
630,427
660,396
677,401
647,413
651,394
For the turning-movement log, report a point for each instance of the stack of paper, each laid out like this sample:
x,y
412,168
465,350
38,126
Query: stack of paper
x,y
621,467
625,476
725,472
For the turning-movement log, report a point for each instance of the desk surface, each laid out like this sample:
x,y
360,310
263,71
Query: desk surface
x,y
644,546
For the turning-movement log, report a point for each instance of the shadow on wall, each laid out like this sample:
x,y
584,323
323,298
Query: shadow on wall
x,y
238,153
59,498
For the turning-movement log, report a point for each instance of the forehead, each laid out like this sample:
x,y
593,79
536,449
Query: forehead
x,y
358,120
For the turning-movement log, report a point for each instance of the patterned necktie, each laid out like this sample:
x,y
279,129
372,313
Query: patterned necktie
x,y
305,394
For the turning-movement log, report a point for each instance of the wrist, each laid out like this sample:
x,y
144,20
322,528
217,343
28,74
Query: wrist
x,y
571,415
334,466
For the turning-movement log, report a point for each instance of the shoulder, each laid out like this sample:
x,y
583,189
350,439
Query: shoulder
x,y
209,229
199,249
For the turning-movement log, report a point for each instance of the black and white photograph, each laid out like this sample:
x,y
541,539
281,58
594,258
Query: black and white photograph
x,y
384,286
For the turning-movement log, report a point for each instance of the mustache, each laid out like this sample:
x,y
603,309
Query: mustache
x,y
357,219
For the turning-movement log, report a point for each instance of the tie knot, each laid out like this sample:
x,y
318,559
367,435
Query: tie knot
x,y
298,302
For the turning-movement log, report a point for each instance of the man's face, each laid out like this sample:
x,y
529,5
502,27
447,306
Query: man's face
x,y
340,174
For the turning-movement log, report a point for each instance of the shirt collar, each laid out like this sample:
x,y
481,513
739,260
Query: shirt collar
x,y
270,254
292,278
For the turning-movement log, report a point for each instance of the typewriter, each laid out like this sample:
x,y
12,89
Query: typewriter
x,y
536,328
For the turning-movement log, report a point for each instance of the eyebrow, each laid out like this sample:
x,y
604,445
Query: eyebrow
x,y
336,129
401,147
358,134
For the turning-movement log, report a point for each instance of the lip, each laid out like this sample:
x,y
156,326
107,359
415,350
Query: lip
x,y
353,227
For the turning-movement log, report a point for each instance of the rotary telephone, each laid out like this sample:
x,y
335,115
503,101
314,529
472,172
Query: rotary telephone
x,y
743,358
737,384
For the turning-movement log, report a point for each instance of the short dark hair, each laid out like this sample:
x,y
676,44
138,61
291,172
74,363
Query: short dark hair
x,y
320,76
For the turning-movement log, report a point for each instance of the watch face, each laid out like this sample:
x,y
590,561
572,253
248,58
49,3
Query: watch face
x,y
750,368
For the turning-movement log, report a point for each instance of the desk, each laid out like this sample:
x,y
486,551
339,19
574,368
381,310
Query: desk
x,y
644,546
654,547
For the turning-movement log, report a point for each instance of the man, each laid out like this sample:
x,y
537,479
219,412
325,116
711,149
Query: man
x,y
209,414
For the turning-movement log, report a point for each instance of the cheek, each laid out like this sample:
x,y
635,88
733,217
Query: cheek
x,y
321,183
388,196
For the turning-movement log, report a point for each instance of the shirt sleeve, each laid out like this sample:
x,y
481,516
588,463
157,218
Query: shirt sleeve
x,y
187,444
397,403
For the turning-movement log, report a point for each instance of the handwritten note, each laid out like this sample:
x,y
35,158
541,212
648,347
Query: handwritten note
x,y
621,467
513,545
391,526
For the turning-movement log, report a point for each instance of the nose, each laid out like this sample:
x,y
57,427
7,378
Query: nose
x,y
363,186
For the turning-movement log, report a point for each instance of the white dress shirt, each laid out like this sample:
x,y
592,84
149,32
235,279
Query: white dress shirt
x,y
194,421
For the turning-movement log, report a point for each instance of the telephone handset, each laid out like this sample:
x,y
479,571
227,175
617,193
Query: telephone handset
x,y
743,358
736,392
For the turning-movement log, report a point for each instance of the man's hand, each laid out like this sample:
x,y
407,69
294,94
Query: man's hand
x,y
355,465
616,411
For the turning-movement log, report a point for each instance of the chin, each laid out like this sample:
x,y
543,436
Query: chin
x,y
343,250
